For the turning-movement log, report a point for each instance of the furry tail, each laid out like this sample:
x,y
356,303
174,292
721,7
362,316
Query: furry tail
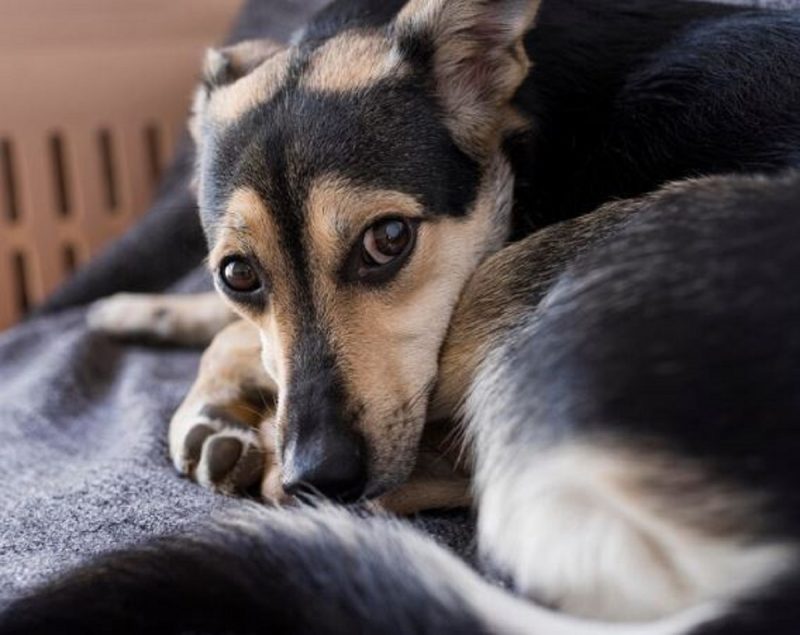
x,y
305,571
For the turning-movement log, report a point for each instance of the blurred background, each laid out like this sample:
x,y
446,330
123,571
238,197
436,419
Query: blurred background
x,y
94,97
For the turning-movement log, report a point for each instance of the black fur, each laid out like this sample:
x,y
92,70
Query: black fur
x,y
678,333
389,136
315,572
687,337
628,95
774,610
350,14
681,332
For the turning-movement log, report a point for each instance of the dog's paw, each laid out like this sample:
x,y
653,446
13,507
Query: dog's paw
x,y
223,434
189,320
131,315
221,454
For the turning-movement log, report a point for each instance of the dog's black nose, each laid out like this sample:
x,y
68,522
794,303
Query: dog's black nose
x,y
328,462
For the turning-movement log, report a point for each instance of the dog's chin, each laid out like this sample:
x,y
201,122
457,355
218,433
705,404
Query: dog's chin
x,y
388,480
378,489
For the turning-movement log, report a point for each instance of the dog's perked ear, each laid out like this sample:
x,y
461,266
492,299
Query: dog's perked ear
x,y
475,50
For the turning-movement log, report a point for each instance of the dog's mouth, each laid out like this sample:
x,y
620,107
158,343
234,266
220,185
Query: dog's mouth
x,y
344,479
353,493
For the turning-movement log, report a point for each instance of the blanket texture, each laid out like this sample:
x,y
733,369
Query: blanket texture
x,y
83,420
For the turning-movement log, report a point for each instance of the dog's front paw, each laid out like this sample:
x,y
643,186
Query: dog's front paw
x,y
223,434
220,453
227,456
189,319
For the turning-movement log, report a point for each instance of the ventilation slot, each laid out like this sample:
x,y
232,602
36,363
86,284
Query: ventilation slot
x,y
109,170
152,144
70,259
8,181
20,275
61,188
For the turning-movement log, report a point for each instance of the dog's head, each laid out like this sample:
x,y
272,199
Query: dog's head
x,y
348,188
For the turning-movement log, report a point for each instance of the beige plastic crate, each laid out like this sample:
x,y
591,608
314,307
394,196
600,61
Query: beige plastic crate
x,y
93,95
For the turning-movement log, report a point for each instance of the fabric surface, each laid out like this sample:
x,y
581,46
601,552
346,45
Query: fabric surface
x,y
83,420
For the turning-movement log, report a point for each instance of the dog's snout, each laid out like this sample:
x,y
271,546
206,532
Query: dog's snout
x,y
322,452
329,462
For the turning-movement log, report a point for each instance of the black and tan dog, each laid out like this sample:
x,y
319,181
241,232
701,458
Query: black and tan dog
x,y
628,378
350,184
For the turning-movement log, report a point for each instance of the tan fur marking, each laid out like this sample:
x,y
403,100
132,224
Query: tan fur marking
x,y
339,211
439,480
421,494
353,61
228,103
682,490
248,227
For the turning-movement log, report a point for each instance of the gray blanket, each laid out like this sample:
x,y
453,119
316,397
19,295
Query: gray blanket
x,y
83,456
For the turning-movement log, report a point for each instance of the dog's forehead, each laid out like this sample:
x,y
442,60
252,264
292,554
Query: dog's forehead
x,y
386,135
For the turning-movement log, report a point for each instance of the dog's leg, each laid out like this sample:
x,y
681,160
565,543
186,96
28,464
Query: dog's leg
x,y
191,320
622,472
222,434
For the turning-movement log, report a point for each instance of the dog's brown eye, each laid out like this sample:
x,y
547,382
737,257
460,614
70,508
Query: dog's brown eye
x,y
381,251
386,241
240,276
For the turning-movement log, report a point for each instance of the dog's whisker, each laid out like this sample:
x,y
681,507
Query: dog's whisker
x,y
267,398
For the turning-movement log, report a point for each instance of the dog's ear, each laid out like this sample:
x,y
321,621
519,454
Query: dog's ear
x,y
475,50
226,65
223,67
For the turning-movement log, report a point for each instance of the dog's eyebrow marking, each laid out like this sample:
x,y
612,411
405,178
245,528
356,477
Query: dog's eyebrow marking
x,y
353,61
248,225
228,103
338,209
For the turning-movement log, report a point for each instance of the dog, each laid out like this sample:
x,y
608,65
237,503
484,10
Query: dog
x,y
425,121
400,206
633,435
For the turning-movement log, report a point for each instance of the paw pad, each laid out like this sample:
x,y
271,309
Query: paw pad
x,y
222,457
